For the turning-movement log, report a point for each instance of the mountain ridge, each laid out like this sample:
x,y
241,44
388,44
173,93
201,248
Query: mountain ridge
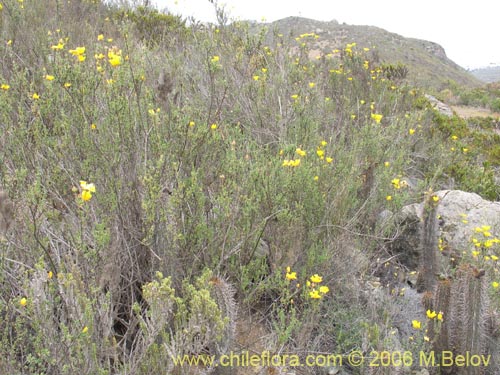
x,y
427,61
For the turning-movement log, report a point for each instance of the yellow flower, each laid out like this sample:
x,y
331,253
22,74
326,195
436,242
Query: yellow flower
x,y
67,85
114,59
396,183
192,123
48,77
494,257
85,329
86,186
87,190
291,275
23,301
435,198
81,58
314,294
215,59
99,56
86,195
294,96
440,316
454,137
35,96
316,278
300,152
93,126
431,314
312,84
411,131
320,153
324,289
4,87
100,37
323,143
264,70
49,275
377,117
78,51
387,164
329,159
59,46
316,178
213,126
495,284
416,324
388,198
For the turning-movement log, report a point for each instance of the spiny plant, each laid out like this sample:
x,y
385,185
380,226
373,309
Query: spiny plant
x,y
428,244
468,315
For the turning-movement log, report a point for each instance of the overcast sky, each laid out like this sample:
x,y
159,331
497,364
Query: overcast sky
x,y
468,30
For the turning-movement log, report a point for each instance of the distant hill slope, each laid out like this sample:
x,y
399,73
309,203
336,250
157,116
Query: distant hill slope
x,y
427,61
488,75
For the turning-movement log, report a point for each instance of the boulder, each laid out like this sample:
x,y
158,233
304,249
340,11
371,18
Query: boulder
x,y
459,214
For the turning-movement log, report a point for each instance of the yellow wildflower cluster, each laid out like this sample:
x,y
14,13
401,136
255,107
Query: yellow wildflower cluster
x,y
431,314
290,275
291,163
307,36
115,56
317,291
79,52
398,184
488,239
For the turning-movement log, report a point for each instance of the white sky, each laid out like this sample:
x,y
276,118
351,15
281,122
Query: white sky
x,y
468,30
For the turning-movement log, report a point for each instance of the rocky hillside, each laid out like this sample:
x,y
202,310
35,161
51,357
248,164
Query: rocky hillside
x,y
427,61
490,74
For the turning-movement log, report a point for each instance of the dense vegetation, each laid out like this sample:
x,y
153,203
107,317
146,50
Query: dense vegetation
x,y
164,173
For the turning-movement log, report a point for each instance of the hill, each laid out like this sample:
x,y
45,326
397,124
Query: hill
x,y
489,75
427,61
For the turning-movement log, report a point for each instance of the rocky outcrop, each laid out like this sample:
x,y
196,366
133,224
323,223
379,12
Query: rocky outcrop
x,y
439,106
459,214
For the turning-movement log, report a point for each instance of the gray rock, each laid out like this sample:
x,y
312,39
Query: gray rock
x,y
439,106
459,214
